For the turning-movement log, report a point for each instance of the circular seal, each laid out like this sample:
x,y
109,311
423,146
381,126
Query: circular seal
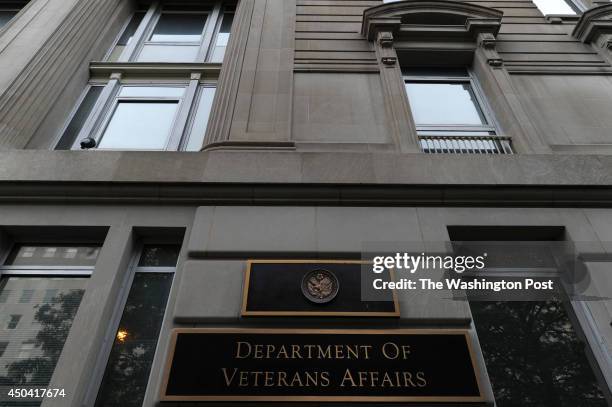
x,y
320,286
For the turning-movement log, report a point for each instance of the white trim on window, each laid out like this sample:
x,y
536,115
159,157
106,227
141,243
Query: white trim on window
x,y
140,40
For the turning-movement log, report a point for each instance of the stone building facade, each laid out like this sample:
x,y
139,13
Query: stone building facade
x,y
149,149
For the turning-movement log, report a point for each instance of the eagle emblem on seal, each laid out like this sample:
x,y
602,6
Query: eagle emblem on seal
x,y
320,286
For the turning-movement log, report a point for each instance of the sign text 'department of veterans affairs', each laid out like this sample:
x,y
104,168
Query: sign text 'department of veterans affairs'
x,y
321,365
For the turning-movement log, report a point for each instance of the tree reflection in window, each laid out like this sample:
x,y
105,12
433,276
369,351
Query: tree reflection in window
x,y
533,355
127,373
50,324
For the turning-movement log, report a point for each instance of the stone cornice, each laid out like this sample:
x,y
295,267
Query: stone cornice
x,y
593,23
389,18
202,194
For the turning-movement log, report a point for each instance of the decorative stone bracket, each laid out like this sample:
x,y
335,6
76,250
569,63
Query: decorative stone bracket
x,y
488,43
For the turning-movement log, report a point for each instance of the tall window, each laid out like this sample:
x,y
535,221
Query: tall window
x,y
129,365
533,355
36,323
9,9
161,105
533,350
558,6
167,32
450,113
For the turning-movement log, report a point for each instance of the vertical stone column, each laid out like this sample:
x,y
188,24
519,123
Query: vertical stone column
x,y
501,95
220,121
254,106
37,64
401,123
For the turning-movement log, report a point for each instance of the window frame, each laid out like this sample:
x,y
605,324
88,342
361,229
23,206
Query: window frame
x,y
72,113
580,316
107,115
105,350
41,271
7,270
102,112
141,37
482,105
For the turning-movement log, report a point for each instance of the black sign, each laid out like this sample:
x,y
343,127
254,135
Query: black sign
x,y
321,365
281,288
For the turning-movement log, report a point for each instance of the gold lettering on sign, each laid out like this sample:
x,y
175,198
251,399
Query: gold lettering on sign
x,y
374,378
246,350
315,378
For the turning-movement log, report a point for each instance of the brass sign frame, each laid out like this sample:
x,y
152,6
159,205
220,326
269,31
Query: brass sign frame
x,y
245,295
360,399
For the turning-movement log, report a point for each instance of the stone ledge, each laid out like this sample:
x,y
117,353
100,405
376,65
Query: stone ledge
x,y
289,167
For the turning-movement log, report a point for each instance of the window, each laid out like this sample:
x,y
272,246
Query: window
x,y
126,37
531,343
140,117
13,321
36,329
155,109
155,106
26,296
557,6
167,32
534,356
9,9
77,121
129,365
200,119
450,114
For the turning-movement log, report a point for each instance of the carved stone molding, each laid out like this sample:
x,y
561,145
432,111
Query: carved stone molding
x,y
594,23
400,18
225,98
427,29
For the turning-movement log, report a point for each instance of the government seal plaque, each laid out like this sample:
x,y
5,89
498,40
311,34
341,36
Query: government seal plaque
x,y
320,286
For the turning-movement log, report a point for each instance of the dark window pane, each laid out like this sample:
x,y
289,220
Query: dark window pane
x,y
131,28
533,355
159,256
127,372
436,72
35,332
13,321
6,16
126,37
79,118
33,255
179,28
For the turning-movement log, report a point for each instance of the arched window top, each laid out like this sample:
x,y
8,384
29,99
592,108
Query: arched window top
x,y
594,22
434,15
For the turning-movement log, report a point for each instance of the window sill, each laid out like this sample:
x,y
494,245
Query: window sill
x,y
175,70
